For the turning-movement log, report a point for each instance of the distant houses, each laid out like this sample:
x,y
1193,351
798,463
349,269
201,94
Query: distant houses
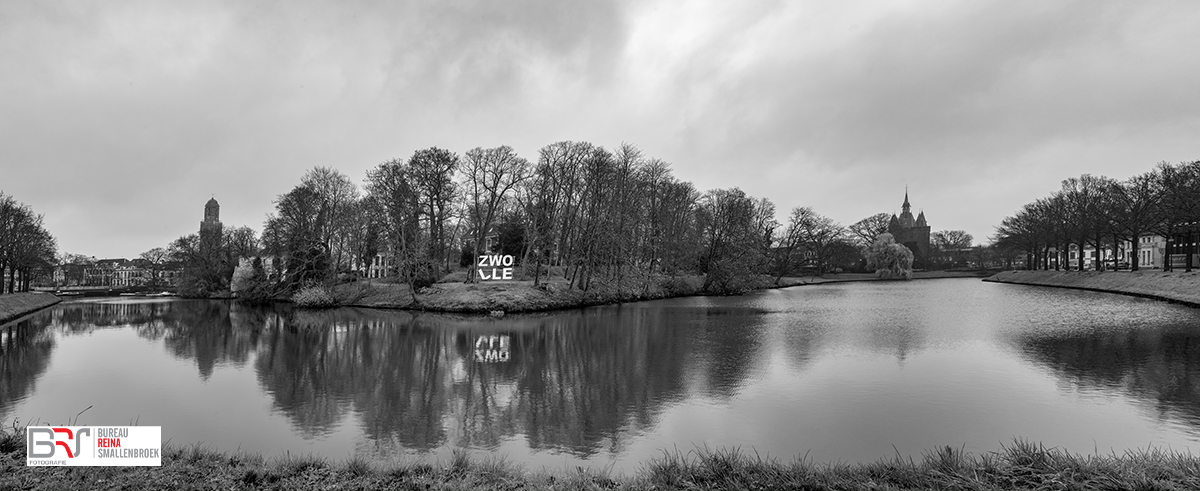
x,y
115,273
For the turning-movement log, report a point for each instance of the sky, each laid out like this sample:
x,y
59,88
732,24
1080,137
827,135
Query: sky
x,y
119,120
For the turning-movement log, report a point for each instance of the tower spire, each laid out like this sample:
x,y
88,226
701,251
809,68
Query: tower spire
x,y
906,205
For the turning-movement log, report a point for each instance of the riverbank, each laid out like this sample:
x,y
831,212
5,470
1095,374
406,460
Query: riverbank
x,y
16,305
918,275
518,296
1178,287
1020,465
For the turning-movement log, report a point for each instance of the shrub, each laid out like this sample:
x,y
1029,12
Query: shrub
x,y
424,275
314,297
889,259
676,286
243,278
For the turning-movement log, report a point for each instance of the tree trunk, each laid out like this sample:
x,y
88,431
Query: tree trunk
x,y
1079,259
1167,252
1135,260
1189,249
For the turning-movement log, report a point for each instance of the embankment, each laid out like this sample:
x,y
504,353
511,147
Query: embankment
x,y
1020,465
918,275
521,296
18,304
1175,287
507,296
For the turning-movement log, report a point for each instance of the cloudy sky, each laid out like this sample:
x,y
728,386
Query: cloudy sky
x,y
118,120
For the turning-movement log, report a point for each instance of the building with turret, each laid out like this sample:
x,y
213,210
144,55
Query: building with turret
x,y
212,216
912,232
210,228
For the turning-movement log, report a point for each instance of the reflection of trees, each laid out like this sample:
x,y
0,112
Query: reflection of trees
x,y
204,331
571,381
584,377
1159,365
729,339
25,349
201,330
315,366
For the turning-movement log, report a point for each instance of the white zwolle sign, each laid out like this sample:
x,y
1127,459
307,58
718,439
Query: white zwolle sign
x,y
495,267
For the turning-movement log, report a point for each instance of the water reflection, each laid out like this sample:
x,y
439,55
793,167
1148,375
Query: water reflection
x,y
25,349
567,382
848,370
1159,365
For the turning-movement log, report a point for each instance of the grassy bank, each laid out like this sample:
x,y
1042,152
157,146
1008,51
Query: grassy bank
x,y
522,296
16,305
1176,287
1020,465
515,296
918,275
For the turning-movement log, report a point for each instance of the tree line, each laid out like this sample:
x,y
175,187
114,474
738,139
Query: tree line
x,y
27,250
589,216
1100,213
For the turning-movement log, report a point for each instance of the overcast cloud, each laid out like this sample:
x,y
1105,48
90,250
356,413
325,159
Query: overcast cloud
x,y
118,120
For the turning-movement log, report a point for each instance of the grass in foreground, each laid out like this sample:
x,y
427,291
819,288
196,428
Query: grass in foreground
x,y
1021,465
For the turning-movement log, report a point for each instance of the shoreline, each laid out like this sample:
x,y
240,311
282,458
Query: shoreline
x,y
1017,465
520,296
16,305
1174,287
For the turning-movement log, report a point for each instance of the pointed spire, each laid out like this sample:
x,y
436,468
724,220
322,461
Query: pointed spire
x,y
906,205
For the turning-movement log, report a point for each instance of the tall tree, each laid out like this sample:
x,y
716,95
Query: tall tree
x,y
1133,209
866,230
433,171
490,175
820,237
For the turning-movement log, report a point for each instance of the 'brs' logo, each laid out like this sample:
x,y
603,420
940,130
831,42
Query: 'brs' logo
x,y
53,442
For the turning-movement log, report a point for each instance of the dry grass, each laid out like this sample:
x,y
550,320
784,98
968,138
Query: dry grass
x,y
16,305
1175,286
1019,465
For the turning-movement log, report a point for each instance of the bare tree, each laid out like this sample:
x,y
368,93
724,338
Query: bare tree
x,y
155,258
490,175
432,171
335,195
1133,209
866,230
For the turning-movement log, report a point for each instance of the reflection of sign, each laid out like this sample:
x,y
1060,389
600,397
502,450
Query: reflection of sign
x,y
492,349
93,445
500,267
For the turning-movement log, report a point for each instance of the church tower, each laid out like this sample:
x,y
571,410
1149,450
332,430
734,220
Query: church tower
x,y
212,216
906,216
913,233
210,228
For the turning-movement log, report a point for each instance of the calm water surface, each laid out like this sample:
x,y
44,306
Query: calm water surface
x,y
843,372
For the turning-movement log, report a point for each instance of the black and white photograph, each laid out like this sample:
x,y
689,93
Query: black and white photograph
x,y
599,244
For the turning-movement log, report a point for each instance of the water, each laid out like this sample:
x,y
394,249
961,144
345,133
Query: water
x,y
838,373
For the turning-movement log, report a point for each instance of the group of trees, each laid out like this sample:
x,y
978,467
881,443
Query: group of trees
x,y
589,215
1099,213
583,213
27,250
207,259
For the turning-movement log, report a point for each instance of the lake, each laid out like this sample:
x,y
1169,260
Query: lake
x,y
849,372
